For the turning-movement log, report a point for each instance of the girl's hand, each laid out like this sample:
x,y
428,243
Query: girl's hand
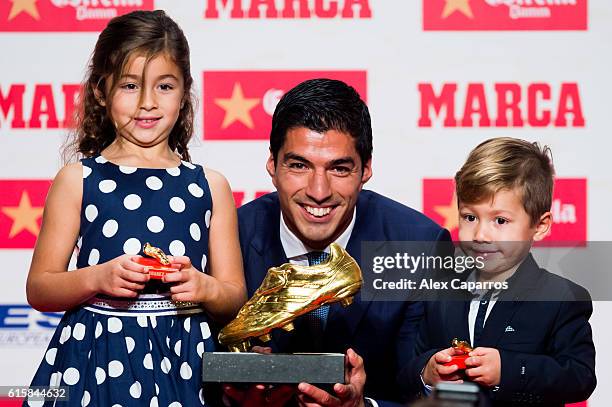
x,y
189,284
121,277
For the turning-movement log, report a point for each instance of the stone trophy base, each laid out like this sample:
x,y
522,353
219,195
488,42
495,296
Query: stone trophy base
x,y
250,367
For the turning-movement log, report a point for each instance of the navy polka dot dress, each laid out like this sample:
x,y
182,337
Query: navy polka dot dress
x,y
145,351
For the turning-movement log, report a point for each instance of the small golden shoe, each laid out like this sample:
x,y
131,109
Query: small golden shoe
x,y
156,253
461,345
289,291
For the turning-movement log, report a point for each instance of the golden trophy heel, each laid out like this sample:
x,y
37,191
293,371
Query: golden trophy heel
x,y
243,346
345,302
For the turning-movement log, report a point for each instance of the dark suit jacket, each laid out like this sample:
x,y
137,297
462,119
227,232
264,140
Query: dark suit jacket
x,y
546,347
383,333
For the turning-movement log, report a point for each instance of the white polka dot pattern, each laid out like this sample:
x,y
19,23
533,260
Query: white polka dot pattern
x,y
91,212
50,356
127,170
136,390
114,325
207,216
195,190
94,257
185,371
175,172
132,246
100,375
154,183
85,399
78,332
132,202
107,186
166,365
110,228
71,376
177,248
147,362
195,232
66,331
130,344
115,368
155,224
177,204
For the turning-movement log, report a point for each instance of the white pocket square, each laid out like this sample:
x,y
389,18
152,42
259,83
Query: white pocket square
x,y
509,329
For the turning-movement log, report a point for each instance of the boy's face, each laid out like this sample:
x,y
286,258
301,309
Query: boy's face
x,y
499,230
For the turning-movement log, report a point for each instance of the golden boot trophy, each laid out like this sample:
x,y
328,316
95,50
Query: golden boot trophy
x,y
286,292
289,291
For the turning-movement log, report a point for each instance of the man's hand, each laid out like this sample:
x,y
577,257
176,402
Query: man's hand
x,y
484,366
435,371
346,395
258,394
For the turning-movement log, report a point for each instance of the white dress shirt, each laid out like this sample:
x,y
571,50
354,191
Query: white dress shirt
x,y
296,250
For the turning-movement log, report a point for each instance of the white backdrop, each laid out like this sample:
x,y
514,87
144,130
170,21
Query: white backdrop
x,y
396,54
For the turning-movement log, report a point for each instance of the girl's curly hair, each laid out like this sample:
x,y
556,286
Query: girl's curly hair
x,y
140,33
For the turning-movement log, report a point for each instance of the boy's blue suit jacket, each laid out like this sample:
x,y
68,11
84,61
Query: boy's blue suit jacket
x,y
546,347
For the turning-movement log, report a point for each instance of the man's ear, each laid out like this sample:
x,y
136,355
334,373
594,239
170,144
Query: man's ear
x,y
367,172
99,97
543,227
271,168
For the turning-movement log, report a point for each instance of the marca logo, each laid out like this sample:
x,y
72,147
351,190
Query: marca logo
x,y
568,209
64,15
42,112
504,15
238,105
21,208
21,325
507,105
287,9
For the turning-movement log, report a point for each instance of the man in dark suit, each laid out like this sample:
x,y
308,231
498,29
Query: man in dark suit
x,y
320,158
530,328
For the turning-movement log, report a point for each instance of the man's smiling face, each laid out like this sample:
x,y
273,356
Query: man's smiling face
x,y
318,177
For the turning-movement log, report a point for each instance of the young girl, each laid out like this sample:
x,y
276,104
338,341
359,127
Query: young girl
x,y
124,340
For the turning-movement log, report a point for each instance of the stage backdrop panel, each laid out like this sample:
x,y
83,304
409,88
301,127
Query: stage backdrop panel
x,y
439,76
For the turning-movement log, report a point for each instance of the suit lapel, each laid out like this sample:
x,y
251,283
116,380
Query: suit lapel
x,y
521,285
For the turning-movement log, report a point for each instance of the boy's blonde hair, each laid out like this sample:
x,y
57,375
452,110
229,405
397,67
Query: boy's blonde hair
x,y
508,163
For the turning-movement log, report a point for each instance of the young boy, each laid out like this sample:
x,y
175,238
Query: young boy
x,y
532,341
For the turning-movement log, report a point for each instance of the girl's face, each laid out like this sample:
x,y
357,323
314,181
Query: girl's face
x,y
145,112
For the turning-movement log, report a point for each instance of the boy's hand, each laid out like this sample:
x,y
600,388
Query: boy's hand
x,y
435,371
484,366
120,277
190,284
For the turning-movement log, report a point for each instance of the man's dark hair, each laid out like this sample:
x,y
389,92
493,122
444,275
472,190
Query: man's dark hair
x,y
322,105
